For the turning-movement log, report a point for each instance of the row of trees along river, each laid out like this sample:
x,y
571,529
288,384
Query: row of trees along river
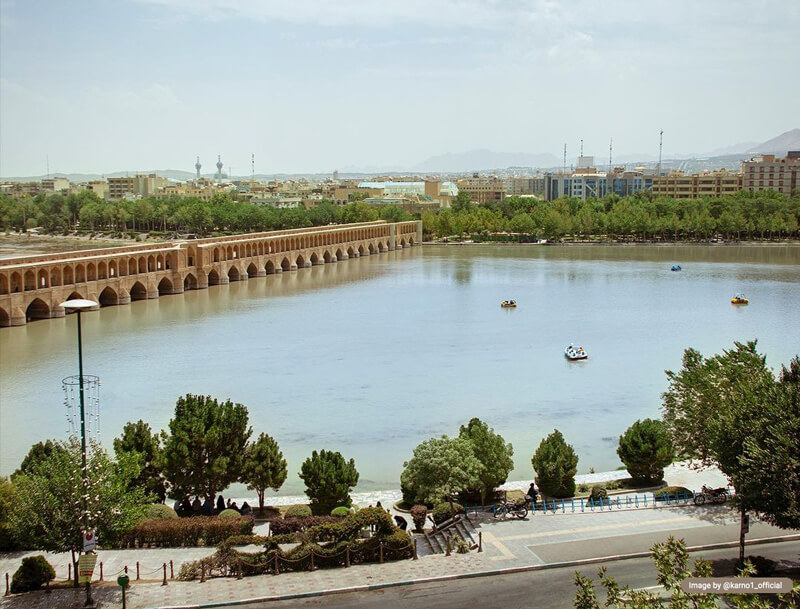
x,y
643,216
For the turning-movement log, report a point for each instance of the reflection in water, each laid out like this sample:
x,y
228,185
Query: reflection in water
x,y
373,355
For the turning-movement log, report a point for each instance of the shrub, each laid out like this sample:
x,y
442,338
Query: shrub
x,y
646,448
420,514
229,513
442,512
295,525
583,488
340,511
328,479
598,492
462,547
298,511
32,574
671,493
555,463
159,510
186,532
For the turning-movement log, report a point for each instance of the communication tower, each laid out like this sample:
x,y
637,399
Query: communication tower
x,y
660,142
197,167
219,167
610,148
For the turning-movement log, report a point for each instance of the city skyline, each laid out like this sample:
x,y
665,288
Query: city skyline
x,y
310,87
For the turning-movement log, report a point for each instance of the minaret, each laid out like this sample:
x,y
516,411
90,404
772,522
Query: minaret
x,y
197,167
219,167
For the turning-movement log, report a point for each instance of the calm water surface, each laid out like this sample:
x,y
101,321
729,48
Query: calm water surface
x,y
374,355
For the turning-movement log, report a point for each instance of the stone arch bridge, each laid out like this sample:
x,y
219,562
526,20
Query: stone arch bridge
x,y
32,287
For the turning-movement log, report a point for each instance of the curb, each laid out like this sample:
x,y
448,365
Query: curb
x,y
444,578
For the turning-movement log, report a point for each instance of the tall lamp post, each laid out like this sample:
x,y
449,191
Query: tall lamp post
x,y
79,306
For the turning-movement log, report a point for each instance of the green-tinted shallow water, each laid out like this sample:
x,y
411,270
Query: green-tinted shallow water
x,y
372,356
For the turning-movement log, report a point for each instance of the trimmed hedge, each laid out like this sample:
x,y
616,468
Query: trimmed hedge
x,y
229,513
442,512
340,511
34,572
295,525
186,532
342,533
298,511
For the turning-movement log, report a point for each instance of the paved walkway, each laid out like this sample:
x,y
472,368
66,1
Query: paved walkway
x,y
540,539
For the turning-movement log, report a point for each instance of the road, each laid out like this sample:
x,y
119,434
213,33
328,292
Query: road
x,y
552,588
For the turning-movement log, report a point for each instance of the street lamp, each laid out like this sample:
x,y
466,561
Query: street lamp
x,y
79,306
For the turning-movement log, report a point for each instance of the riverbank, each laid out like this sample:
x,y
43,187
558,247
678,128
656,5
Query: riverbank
x,y
793,243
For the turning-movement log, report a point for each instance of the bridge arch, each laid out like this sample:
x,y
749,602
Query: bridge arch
x,y
213,277
360,250
252,270
269,267
16,282
216,254
189,282
55,277
91,272
112,269
164,287
37,309
30,281
138,291
326,256
286,265
159,262
233,273
300,262
350,251
372,249
43,279
151,263
108,297
102,272
339,254
5,320
314,258
75,296
3,284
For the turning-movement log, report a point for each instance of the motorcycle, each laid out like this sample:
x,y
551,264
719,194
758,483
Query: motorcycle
x,y
714,495
519,510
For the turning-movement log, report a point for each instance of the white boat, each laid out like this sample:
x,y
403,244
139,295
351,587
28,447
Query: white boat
x,y
575,353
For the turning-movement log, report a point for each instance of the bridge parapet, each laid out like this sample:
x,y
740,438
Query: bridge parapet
x,y
31,287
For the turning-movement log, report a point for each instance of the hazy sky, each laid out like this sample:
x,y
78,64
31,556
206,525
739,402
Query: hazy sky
x,y
314,85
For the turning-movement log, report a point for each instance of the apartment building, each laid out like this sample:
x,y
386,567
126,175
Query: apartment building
x,y
483,189
766,172
677,185
141,185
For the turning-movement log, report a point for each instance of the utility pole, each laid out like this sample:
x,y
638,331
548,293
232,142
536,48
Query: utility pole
x,y
660,142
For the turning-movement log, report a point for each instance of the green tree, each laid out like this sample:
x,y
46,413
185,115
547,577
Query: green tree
x,y
204,451
556,464
8,498
328,479
646,449
461,202
672,565
492,452
771,458
39,453
47,514
440,468
264,467
138,440
707,406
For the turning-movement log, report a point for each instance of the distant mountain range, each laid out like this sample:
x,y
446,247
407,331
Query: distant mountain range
x,y
481,160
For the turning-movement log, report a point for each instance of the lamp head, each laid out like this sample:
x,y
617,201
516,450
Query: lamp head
x,y
78,304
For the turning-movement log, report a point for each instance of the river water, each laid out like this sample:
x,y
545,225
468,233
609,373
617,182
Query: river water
x,y
374,355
